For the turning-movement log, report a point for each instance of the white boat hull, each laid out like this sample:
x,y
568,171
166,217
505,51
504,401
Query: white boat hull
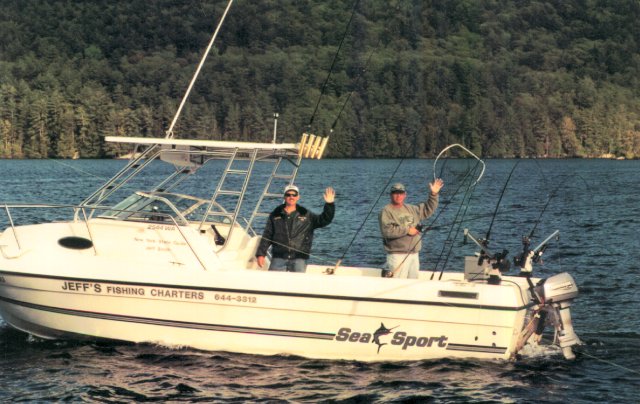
x,y
314,316
160,267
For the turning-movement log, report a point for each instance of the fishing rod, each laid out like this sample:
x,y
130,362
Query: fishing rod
x,y
422,228
57,161
333,63
528,256
552,195
373,205
454,226
495,213
460,221
364,69
544,208
454,229
498,260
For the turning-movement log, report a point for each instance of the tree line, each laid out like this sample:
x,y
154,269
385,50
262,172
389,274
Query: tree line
x,y
557,78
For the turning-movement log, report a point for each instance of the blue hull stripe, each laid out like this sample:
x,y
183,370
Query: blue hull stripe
x,y
172,323
219,327
476,348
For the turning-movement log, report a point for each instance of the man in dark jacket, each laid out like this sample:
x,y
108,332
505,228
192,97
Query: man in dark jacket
x,y
289,231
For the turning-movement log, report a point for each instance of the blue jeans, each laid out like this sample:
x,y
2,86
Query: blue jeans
x,y
289,265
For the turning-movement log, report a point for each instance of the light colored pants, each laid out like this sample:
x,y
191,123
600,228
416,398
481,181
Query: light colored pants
x,y
405,265
292,265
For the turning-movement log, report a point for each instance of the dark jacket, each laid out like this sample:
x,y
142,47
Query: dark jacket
x,y
294,242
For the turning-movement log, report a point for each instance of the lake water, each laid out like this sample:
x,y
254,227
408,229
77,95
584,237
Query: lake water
x,y
592,202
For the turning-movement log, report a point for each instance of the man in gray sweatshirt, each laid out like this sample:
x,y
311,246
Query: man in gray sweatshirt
x,y
400,228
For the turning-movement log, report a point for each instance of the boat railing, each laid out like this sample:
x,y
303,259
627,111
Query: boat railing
x,y
169,204
153,216
250,230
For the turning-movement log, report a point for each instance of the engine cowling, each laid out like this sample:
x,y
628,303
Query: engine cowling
x,y
558,288
556,293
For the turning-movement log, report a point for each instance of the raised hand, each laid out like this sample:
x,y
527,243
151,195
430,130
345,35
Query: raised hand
x,y
436,186
329,195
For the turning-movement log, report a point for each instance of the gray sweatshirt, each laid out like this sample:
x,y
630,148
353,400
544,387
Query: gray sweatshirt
x,y
396,221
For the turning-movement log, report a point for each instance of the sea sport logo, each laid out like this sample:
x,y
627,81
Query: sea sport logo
x,y
381,332
399,338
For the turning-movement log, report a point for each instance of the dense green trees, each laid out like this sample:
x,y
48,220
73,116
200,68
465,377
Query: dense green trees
x,y
552,78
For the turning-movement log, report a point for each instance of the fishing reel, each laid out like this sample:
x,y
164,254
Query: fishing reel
x,y
497,261
528,257
500,261
493,264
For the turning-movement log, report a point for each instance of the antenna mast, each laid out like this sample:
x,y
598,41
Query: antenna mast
x,y
195,76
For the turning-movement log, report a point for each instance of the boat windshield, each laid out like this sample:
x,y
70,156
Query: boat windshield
x,y
159,207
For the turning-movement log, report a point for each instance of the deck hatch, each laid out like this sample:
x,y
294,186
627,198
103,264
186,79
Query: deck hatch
x,y
458,295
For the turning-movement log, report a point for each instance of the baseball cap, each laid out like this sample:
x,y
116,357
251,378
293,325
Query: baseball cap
x,y
398,187
291,187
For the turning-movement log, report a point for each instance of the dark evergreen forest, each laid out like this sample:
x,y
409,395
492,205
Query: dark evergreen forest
x,y
556,78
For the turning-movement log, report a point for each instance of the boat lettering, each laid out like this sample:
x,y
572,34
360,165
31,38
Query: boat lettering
x,y
400,338
177,294
236,298
345,334
81,286
160,227
125,290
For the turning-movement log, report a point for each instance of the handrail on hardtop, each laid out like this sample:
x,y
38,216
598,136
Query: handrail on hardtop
x,y
310,146
83,209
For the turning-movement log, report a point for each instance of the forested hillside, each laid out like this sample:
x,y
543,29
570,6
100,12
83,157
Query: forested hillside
x,y
506,78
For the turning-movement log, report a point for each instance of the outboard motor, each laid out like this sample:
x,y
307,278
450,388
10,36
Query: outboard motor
x,y
556,294
553,296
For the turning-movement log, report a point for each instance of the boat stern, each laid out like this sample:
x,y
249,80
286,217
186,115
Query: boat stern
x,y
558,292
554,296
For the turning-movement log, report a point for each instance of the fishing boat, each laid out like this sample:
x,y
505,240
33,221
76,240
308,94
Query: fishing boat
x,y
175,269
172,262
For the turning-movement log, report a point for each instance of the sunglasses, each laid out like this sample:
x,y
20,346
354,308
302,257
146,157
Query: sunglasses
x,y
290,195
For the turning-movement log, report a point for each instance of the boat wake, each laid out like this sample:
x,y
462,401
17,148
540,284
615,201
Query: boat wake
x,y
540,351
116,371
